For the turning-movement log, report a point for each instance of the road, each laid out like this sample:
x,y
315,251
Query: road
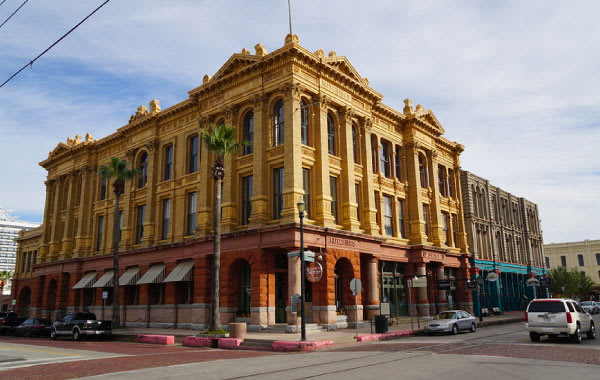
x,y
500,352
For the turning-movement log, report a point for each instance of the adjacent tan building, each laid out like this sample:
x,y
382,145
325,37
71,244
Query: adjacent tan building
x,y
583,255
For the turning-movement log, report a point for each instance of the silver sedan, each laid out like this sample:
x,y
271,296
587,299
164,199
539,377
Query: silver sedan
x,y
451,321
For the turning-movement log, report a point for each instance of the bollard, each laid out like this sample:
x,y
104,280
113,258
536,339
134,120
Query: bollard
x,y
237,330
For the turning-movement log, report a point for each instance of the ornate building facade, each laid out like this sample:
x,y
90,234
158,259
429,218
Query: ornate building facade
x,y
381,188
505,237
583,255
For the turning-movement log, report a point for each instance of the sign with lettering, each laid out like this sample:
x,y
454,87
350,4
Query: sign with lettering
x,y
419,282
492,276
348,243
313,271
533,282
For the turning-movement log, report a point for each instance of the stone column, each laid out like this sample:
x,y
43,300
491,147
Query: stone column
x,y
372,301
292,162
415,199
434,206
67,239
465,297
86,196
348,196
260,175
47,225
322,202
229,217
55,238
294,287
441,302
129,208
259,309
148,238
422,300
369,212
461,234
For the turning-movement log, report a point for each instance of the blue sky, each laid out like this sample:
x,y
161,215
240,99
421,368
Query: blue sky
x,y
515,82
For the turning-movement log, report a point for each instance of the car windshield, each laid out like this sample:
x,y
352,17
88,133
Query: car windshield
x,y
587,303
546,307
445,315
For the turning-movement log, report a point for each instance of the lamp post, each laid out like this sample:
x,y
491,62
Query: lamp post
x,y
301,207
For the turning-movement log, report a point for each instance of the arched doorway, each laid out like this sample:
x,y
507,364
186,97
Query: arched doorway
x,y
24,302
343,273
243,287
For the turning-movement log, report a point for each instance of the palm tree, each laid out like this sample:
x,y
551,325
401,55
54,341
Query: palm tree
x,y
221,141
5,277
116,169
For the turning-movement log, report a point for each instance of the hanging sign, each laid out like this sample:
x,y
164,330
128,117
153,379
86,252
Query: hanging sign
x,y
492,276
313,271
533,282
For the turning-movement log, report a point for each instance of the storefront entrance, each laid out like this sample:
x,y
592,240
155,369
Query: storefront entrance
x,y
280,297
393,289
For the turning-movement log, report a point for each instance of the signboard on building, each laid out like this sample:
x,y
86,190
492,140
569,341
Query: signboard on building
x,y
419,282
533,282
492,276
313,271
443,284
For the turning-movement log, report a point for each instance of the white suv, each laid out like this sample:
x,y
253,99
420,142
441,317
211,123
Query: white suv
x,y
558,317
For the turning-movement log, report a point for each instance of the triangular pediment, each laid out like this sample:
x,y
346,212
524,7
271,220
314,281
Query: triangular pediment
x,y
342,64
236,63
61,147
428,117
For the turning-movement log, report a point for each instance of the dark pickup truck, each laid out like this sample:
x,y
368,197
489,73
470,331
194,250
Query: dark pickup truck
x,y
78,324
8,322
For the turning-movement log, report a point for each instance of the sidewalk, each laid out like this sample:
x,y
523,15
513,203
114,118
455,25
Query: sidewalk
x,y
339,337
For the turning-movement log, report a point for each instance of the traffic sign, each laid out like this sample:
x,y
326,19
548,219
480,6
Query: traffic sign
x,y
104,294
355,286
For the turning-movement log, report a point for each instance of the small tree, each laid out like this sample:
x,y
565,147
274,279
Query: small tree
x,y
117,170
5,277
222,142
573,282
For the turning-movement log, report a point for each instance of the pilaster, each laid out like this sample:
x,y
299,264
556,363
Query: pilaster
x,y
415,200
323,215
347,179
434,206
148,238
260,175
229,219
369,212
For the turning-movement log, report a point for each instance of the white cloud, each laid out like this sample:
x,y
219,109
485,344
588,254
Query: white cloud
x,y
515,82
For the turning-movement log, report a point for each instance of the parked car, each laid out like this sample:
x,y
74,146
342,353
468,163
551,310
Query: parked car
x,y
78,324
591,307
451,321
34,327
556,317
9,321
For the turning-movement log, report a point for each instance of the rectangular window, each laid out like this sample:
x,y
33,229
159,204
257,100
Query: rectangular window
x,y
193,154
166,218
384,159
304,123
598,258
34,257
139,225
401,218
451,183
563,261
398,163
120,232
277,192
333,189
547,262
100,233
168,162
580,260
378,209
306,187
442,180
388,224
246,199
354,145
426,219
28,261
357,195
191,213
445,228
102,189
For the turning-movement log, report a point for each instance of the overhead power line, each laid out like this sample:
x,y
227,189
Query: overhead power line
x,y
9,17
3,1
54,44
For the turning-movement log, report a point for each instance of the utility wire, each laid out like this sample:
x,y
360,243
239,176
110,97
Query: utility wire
x,y
51,46
3,1
9,17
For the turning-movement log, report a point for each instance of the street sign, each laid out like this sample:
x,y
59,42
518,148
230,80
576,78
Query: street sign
x,y
314,272
104,295
355,286
309,256
533,282
443,284
14,302
419,282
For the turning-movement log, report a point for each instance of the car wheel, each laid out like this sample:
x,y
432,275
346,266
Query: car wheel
x,y
535,337
592,333
473,327
576,338
76,335
454,329
53,334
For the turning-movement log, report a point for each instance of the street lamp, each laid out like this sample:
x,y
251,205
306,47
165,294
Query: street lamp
x,y
301,208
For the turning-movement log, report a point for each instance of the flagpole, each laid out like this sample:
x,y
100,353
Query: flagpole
x,y
290,15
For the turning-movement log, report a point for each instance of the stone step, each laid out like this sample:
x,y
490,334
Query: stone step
x,y
285,328
263,343
242,320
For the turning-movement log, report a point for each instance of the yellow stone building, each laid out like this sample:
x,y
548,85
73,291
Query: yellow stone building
x,y
381,186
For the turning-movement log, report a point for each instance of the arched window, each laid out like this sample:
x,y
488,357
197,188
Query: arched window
x,y
330,134
193,153
354,145
248,132
143,166
278,123
304,123
374,153
168,174
384,159
423,171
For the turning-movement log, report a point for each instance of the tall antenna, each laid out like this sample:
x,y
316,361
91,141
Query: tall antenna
x,y
290,15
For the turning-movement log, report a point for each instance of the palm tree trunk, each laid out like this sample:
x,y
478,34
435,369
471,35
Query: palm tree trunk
x,y
216,314
116,314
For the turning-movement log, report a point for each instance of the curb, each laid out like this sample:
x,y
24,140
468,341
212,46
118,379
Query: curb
x,y
283,346
156,339
384,336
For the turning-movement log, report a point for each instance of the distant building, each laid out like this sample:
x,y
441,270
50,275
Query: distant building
x,y
9,231
505,237
583,255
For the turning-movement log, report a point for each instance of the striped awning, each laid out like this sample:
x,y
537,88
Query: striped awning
x,y
86,281
105,280
154,275
130,277
182,272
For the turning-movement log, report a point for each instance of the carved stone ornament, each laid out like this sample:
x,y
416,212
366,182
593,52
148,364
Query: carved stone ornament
x,y
154,107
324,102
332,53
151,145
320,53
89,138
292,90
408,107
129,153
245,51
258,100
139,113
291,38
260,50
206,78
346,113
203,122
368,123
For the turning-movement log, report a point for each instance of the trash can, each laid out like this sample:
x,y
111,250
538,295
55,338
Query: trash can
x,y
381,324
